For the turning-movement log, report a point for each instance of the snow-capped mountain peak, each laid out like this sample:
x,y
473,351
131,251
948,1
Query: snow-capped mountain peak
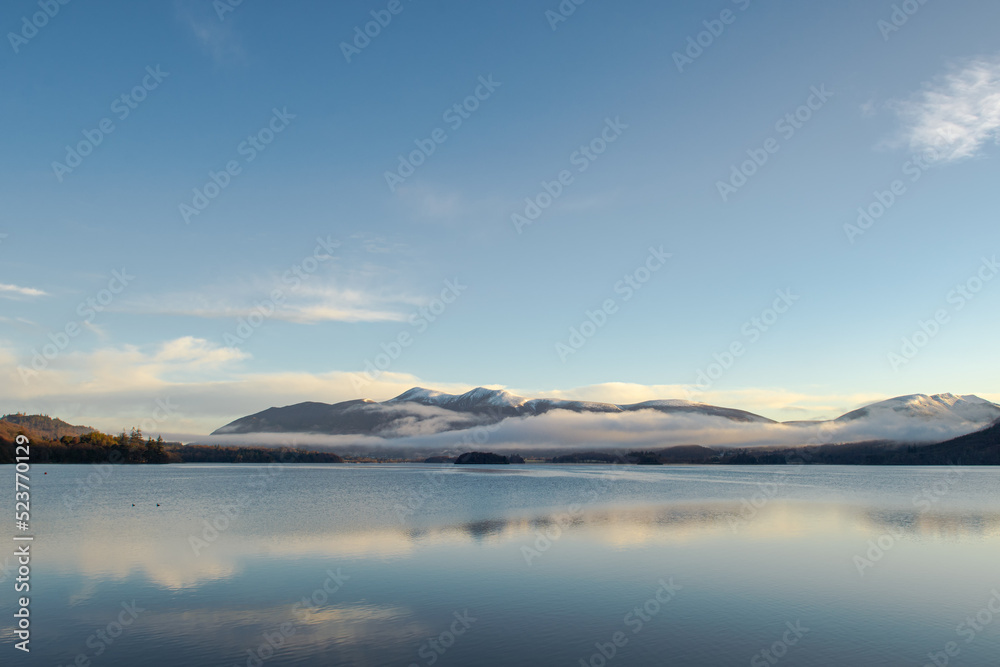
x,y
419,412
492,397
421,395
938,407
478,398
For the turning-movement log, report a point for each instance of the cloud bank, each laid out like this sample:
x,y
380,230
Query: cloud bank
x,y
646,429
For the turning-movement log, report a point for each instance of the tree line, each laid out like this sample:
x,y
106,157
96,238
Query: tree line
x,y
132,447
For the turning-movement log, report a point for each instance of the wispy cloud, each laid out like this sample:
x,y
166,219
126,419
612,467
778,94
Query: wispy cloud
x,y
19,320
16,291
377,245
349,287
214,35
306,304
444,205
956,114
588,202
430,203
195,350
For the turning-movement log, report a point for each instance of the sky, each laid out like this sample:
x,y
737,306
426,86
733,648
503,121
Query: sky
x,y
211,208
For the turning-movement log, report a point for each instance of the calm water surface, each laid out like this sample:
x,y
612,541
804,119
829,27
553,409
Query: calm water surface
x,y
509,565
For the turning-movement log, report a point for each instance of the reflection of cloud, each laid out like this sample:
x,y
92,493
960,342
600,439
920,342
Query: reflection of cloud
x,y
168,562
381,543
348,627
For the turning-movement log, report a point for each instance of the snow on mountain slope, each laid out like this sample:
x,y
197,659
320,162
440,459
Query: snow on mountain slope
x,y
538,406
498,400
421,412
939,407
422,396
479,398
493,398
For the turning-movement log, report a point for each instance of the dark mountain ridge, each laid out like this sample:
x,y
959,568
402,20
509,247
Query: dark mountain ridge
x,y
479,406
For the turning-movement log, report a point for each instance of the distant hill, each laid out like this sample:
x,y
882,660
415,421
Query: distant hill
x,y
687,454
9,431
589,457
670,455
981,447
438,412
87,445
45,426
485,458
975,449
422,412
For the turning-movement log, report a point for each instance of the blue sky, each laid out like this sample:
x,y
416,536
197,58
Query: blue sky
x,y
171,330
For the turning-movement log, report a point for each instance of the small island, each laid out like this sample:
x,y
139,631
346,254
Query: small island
x,y
487,458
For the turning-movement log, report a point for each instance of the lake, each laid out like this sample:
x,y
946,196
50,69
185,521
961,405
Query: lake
x,y
508,565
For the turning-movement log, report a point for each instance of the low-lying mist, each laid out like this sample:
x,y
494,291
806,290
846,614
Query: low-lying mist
x,y
560,431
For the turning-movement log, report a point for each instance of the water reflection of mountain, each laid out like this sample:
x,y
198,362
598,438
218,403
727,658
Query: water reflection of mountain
x,y
167,560
691,521
935,525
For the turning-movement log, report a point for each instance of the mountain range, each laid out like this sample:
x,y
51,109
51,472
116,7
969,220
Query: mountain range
x,y
426,412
